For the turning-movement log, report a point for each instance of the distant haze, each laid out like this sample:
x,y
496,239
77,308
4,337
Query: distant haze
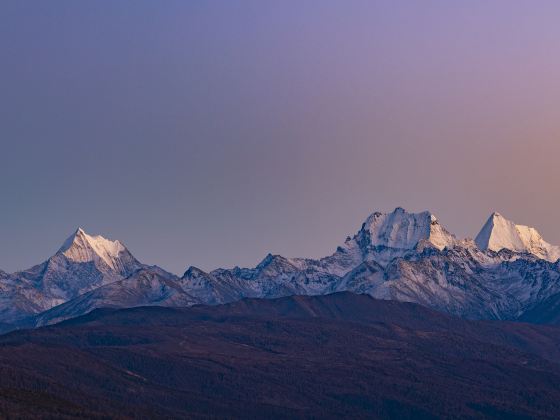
x,y
212,132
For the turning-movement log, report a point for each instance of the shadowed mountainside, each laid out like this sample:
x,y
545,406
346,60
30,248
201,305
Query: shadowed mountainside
x,y
324,356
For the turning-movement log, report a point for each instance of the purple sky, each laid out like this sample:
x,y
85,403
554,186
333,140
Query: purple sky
x,y
212,132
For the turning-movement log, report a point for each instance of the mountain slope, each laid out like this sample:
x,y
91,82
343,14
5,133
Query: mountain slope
x,y
147,286
546,311
82,264
321,357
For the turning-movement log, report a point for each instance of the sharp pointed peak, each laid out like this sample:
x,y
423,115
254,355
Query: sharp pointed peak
x,y
267,260
498,220
80,235
497,215
79,232
193,271
276,259
500,233
82,247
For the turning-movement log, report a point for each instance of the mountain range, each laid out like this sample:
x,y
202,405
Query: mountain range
x,y
507,272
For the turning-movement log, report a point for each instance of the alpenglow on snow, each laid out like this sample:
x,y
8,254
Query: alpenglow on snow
x,y
505,273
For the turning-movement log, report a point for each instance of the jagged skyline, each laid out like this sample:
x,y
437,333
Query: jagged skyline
x,y
496,234
508,272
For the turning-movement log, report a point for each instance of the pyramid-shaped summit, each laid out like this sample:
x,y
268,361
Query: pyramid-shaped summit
x,y
500,233
81,247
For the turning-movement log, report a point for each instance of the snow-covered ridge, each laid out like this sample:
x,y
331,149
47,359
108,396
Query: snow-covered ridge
x,y
397,255
81,247
403,230
499,233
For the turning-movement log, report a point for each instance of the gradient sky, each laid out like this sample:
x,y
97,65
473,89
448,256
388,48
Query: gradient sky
x,y
212,132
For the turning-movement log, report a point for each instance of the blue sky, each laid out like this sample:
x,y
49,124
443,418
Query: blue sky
x,y
212,132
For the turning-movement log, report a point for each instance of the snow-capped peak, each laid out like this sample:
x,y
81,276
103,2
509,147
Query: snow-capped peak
x,y
81,247
500,233
403,230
